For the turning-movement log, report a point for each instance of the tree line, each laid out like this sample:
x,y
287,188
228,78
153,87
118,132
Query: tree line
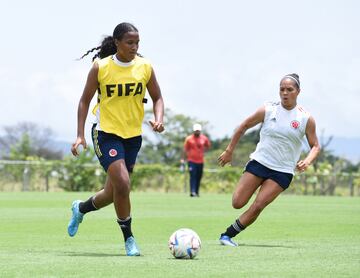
x,y
28,141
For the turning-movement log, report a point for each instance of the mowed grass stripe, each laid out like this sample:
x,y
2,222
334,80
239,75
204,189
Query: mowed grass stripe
x,y
296,236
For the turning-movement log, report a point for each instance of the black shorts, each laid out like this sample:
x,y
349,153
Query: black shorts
x,y
259,170
110,147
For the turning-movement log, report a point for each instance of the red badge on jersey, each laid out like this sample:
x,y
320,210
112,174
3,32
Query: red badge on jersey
x,y
112,152
295,124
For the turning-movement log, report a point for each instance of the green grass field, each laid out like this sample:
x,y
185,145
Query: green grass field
x,y
296,236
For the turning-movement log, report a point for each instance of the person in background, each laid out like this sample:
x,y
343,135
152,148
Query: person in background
x,y
120,76
194,147
271,167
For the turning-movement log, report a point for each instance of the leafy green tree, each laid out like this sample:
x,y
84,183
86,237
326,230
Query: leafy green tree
x,y
167,147
21,149
27,139
26,142
244,148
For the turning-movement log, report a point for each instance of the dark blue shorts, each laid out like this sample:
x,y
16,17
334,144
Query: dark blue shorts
x,y
259,170
110,147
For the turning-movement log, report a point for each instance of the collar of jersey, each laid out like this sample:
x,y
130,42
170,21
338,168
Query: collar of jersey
x,y
122,64
274,113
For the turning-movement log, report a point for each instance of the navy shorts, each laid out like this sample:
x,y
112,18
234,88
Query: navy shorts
x,y
110,147
259,170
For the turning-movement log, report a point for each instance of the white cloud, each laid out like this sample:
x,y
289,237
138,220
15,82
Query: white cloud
x,y
214,62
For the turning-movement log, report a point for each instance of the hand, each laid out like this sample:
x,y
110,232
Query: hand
x,y
302,165
74,147
157,126
225,158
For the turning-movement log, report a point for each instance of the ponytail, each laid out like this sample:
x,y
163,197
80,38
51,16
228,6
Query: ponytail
x,y
108,46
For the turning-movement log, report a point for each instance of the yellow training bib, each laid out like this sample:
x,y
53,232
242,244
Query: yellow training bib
x,y
122,88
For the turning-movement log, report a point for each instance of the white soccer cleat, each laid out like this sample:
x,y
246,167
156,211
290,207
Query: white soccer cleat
x,y
226,240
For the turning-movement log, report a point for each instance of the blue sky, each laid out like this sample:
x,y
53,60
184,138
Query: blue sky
x,y
215,60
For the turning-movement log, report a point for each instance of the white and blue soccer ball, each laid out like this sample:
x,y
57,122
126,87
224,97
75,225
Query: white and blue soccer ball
x,y
184,244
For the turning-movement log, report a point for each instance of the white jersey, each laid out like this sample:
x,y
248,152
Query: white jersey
x,y
281,137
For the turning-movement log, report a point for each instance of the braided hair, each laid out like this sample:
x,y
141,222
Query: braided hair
x,y
107,46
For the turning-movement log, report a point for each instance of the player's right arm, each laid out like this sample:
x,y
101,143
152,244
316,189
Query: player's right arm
x,y
184,150
90,88
249,122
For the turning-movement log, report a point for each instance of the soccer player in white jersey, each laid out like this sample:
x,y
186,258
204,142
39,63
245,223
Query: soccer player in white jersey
x,y
271,167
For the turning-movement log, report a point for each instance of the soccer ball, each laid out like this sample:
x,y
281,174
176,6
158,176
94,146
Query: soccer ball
x,y
184,244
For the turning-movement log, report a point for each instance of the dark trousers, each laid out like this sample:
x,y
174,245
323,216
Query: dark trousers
x,y
196,171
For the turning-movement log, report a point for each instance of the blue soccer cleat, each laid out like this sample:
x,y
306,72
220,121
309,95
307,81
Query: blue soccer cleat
x,y
76,218
131,247
226,240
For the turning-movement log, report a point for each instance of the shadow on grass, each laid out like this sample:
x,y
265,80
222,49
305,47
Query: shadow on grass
x,y
265,245
91,254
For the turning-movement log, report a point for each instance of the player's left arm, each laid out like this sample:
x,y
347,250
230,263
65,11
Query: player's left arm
x,y
313,141
158,103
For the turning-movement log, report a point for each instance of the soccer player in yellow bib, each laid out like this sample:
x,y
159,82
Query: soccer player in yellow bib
x,y
120,76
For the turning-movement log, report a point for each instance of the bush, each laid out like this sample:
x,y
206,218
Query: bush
x,y
80,173
172,179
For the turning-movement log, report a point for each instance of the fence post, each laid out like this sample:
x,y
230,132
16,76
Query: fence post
x,y
47,182
304,182
26,178
183,170
351,185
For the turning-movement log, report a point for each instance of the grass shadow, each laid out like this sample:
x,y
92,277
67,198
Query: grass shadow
x,y
92,254
265,245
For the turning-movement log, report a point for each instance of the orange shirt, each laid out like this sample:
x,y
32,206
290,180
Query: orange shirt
x,y
195,147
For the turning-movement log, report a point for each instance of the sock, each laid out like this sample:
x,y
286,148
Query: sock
x,y
87,206
234,229
125,226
